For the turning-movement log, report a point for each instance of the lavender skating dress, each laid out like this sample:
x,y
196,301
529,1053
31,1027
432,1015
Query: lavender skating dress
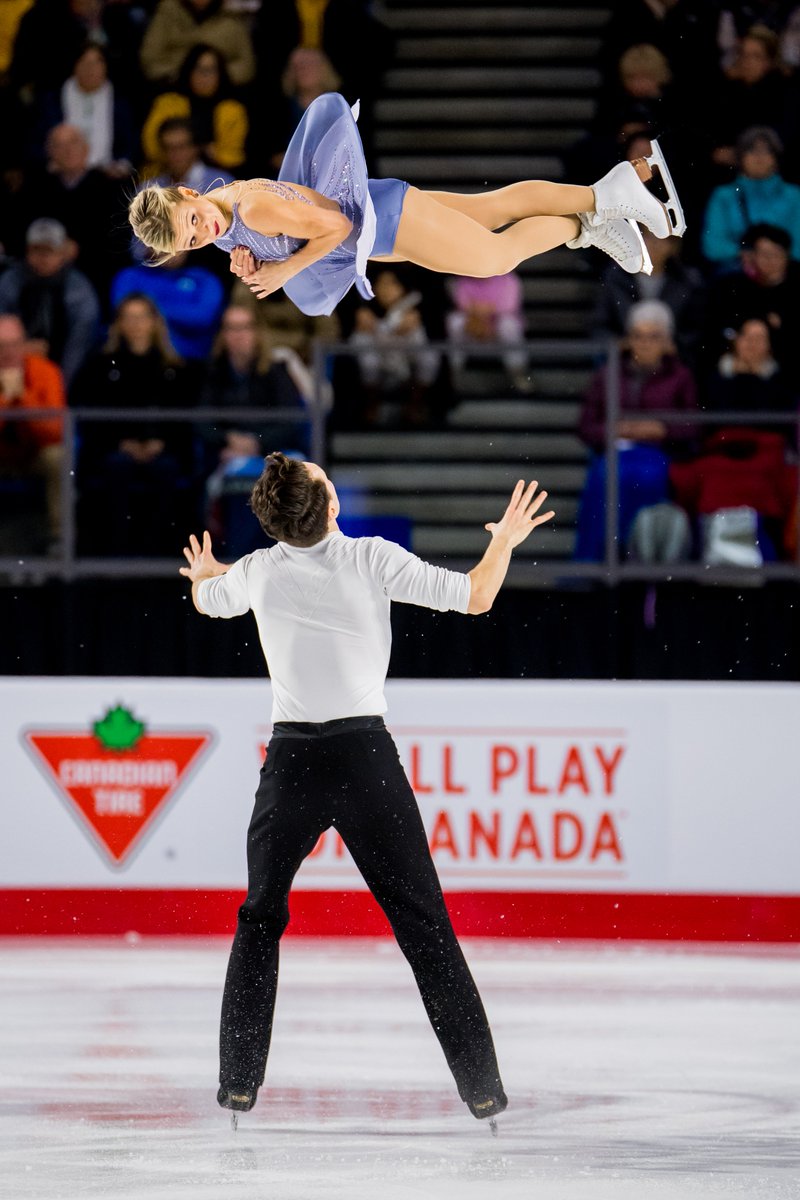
x,y
326,154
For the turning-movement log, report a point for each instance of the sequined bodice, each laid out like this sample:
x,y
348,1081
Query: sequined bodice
x,y
261,245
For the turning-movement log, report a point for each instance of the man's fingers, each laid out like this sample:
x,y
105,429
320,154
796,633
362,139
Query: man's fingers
x,y
188,555
195,545
540,520
534,505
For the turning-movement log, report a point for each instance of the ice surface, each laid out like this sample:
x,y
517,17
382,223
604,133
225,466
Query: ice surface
x,y
632,1072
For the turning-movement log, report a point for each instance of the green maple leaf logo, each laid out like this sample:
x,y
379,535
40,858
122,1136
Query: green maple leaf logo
x,y
118,730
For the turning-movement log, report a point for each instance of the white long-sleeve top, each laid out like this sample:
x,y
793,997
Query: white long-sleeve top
x,y
323,617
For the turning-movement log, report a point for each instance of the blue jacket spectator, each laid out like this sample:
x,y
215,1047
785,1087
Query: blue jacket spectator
x,y
190,298
758,195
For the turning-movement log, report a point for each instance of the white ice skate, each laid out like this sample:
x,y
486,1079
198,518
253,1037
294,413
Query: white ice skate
x,y
619,238
622,193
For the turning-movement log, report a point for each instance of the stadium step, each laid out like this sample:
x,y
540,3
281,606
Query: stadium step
x,y
451,445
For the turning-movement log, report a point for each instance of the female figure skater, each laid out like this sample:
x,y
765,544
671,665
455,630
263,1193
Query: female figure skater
x,y
313,231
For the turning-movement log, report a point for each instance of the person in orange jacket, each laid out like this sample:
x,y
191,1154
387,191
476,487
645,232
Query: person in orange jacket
x,y
34,446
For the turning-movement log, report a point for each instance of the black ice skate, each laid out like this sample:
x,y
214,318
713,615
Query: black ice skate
x,y
237,1101
489,1108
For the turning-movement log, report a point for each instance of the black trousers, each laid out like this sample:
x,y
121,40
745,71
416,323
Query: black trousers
x,y
347,774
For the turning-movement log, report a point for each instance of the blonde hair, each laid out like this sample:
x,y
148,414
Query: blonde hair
x,y
150,215
645,60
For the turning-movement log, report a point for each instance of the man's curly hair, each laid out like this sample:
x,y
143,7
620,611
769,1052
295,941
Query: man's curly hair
x,y
290,506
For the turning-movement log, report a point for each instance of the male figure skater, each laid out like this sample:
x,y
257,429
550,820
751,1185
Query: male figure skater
x,y
321,601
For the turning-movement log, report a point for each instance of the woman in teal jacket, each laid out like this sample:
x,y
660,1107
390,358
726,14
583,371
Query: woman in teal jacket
x,y
759,193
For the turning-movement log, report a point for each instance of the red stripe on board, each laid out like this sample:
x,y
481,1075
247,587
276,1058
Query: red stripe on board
x,y
156,912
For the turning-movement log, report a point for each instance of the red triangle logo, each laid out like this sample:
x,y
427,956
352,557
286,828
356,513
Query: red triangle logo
x,y
117,794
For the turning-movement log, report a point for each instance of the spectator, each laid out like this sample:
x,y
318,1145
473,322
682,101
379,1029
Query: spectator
x,y
307,75
34,447
651,378
758,194
179,160
89,102
245,373
490,310
347,32
683,30
55,301
675,284
134,477
749,379
189,297
88,203
390,375
753,93
766,286
52,33
742,490
204,96
282,323
641,96
178,26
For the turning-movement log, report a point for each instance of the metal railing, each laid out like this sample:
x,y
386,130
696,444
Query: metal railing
x,y
614,569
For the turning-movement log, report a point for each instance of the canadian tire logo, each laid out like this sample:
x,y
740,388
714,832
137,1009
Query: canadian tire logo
x,y
119,777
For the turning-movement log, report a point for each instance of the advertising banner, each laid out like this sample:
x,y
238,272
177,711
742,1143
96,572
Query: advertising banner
x,y
525,788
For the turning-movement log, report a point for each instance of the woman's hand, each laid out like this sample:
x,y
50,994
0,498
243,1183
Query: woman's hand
x,y
268,278
242,262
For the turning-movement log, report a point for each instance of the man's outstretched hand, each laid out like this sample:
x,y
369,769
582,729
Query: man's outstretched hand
x,y
522,515
202,564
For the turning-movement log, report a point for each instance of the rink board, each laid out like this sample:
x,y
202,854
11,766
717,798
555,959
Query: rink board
x,y
553,809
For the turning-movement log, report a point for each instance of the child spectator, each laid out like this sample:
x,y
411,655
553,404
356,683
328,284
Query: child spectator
x,y
651,378
203,95
178,26
56,302
34,447
390,375
758,194
490,310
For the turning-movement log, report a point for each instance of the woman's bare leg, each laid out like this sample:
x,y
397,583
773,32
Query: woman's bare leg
x,y
444,239
533,198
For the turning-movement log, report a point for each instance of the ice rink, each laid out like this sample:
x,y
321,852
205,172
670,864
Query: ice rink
x,y
633,1072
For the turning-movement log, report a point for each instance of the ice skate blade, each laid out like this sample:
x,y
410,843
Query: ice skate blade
x,y
493,1126
647,263
234,1121
672,205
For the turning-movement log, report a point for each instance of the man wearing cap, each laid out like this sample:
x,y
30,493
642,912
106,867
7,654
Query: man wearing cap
x,y
55,302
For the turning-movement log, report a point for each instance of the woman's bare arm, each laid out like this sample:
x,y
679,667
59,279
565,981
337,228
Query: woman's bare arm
x,y
324,229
